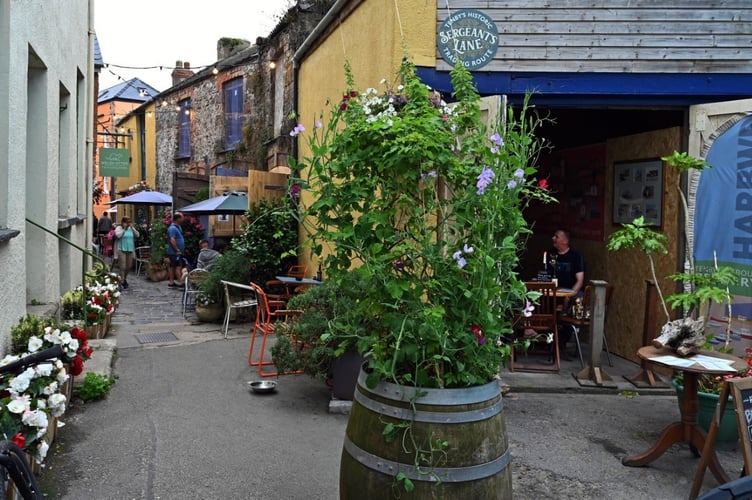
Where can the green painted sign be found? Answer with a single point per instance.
(114, 162)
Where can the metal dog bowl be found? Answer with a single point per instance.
(263, 386)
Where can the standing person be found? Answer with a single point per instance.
(125, 245)
(569, 270)
(175, 249)
(104, 225)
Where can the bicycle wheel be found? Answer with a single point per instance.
(13, 460)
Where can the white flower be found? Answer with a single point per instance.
(35, 343)
(43, 370)
(41, 404)
(65, 337)
(50, 389)
(42, 448)
(72, 345)
(10, 358)
(21, 382)
(62, 376)
(56, 400)
(36, 418)
(19, 404)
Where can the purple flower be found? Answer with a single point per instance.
(494, 149)
(318, 124)
(432, 173)
(461, 262)
(484, 179)
(496, 138)
(456, 255)
(512, 184)
(519, 173)
(298, 129)
(468, 249)
(398, 264)
(528, 311)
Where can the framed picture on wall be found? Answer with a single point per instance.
(638, 191)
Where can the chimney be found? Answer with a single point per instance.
(181, 72)
(229, 46)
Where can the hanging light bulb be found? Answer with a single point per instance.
(215, 70)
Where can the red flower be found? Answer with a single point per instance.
(77, 366)
(543, 183)
(478, 334)
(19, 440)
(79, 335)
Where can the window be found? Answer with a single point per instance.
(184, 129)
(233, 93)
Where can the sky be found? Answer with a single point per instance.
(153, 33)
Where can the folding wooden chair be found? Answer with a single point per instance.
(268, 313)
(543, 320)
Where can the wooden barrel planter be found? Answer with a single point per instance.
(475, 464)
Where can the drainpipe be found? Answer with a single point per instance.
(89, 162)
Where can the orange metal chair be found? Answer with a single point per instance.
(544, 319)
(268, 313)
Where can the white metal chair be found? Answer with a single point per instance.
(247, 298)
(142, 258)
(190, 289)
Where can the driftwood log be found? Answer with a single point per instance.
(686, 336)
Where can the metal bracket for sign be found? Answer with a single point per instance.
(740, 389)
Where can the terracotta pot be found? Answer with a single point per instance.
(210, 313)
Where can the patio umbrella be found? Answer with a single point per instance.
(144, 198)
(232, 203)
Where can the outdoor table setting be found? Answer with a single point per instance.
(290, 280)
(687, 429)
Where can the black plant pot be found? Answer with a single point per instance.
(345, 371)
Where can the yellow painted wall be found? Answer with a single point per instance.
(373, 38)
(134, 145)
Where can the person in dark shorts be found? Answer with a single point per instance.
(175, 249)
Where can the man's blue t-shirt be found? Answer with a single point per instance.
(174, 231)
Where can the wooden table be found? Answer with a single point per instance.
(686, 430)
(565, 292)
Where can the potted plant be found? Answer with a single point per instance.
(687, 333)
(426, 200)
(320, 341)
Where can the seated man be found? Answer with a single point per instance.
(569, 270)
(206, 256)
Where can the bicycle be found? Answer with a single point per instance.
(14, 465)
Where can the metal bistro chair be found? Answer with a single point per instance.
(542, 320)
(267, 314)
(190, 289)
(142, 258)
(246, 299)
(584, 322)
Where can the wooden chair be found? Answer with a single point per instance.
(542, 320)
(584, 322)
(268, 313)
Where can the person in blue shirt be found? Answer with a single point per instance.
(125, 244)
(175, 249)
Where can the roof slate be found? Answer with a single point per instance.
(134, 89)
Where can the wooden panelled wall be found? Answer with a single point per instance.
(639, 36)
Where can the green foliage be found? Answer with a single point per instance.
(638, 235)
(201, 195)
(269, 240)
(264, 249)
(327, 327)
(96, 386)
(29, 326)
(158, 239)
(427, 200)
(703, 289)
(683, 162)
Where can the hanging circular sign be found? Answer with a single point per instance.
(470, 37)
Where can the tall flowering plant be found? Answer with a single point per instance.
(425, 200)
